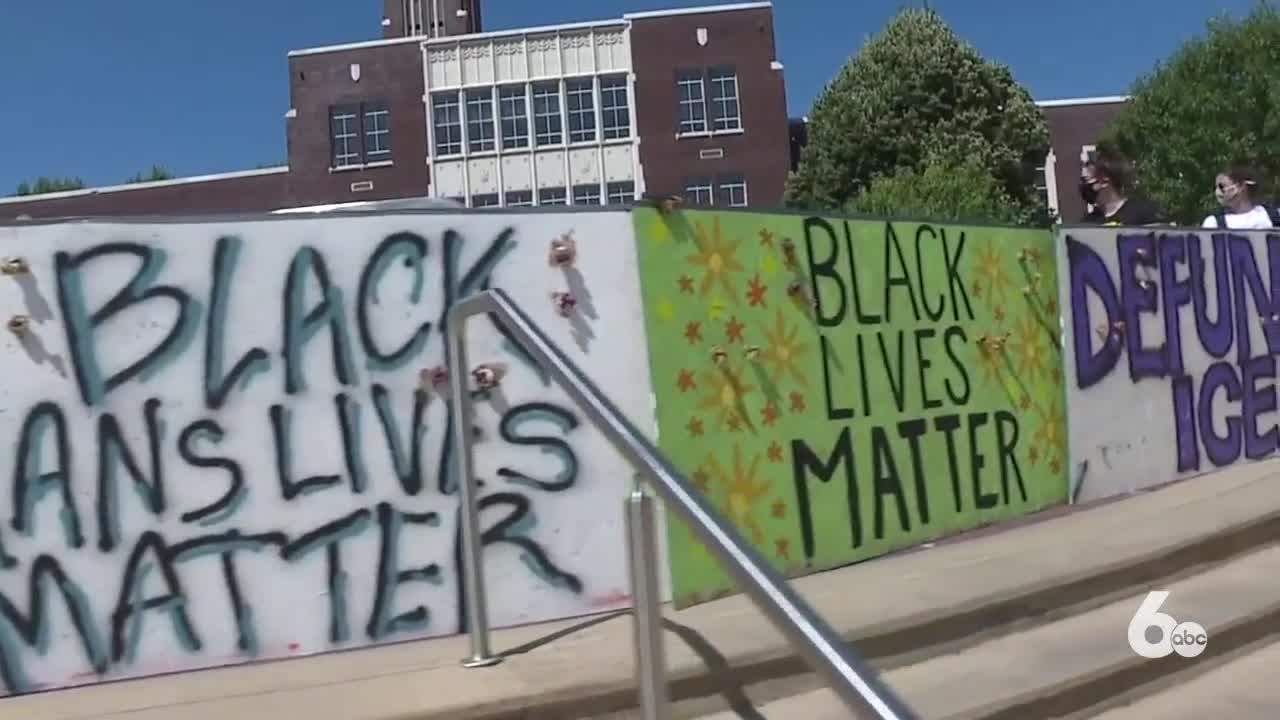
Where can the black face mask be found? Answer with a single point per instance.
(1088, 192)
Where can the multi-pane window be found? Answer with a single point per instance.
(359, 134)
(733, 191)
(579, 96)
(699, 191)
(484, 200)
(693, 102)
(547, 125)
(377, 132)
(519, 198)
(344, 128)
(586, 194)
(480, 120)
(620, 193)
(446, 119)
(552, 196)
(726, 111)
(615, 113)
(513, 112)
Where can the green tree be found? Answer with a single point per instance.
(1215, 102)
(917, 94)
(946, 190)
(44, 185)
(157, 173)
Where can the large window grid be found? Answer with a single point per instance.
(446, 118)
(547, 124)
(580, 107)
(513, 112)
(480, 130)
(571, 112)
(359, 134)
(707, 101)
(615, 110)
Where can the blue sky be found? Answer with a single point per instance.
(103, 90)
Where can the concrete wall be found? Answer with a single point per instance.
(219, 450)
(1173, 338)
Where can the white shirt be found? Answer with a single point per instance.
(1255, 219)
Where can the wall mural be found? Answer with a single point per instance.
(228, 439)
(1177, 332)
(843, 388)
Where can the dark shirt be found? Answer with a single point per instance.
(1134, 212)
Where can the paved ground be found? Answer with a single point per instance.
(423, 680)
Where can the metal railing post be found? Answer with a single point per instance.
(646, 600)
(857, 683)
(472, 561)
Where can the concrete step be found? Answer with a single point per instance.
(900, 611)
(1075, 664)
(1244, 688)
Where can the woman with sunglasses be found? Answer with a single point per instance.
(1237, 190)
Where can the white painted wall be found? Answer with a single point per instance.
(289, 604)
(1124, 426)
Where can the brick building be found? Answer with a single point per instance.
(1074, 128)
(687, 101)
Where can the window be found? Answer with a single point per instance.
(698, 191)
(693, 103)
(359, 134)
(513, 111)
(733, 191)
(377, 132)
(519, 198)
(621, 193)
(485, 200)
(344, 128)
(546, 114)
(446, 118)
(726, 112)
(586, 194)
(580, 102)
(551, 196)
(615, 114)
(480, 120)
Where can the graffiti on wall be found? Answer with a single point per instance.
(1174, 336)
(221, 448)
(842, 388)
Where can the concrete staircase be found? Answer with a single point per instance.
(1017, 623)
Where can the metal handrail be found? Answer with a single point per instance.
(857, 684)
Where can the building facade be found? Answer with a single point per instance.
(543, 116)
(688, 101)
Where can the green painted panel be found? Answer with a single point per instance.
(843, 388)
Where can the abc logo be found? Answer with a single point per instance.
(1153, 634)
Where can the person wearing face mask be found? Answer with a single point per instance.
(1104, 184)
(1237, 191)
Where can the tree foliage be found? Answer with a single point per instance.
(1215, 102)
(44, 185)
(946, 190)
(917, 95)
(157, 173)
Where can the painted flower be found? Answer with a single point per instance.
(784, 350)
(990, 270)
(725, 396)
(1030, 354)
(740, 490)
(718, 259)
